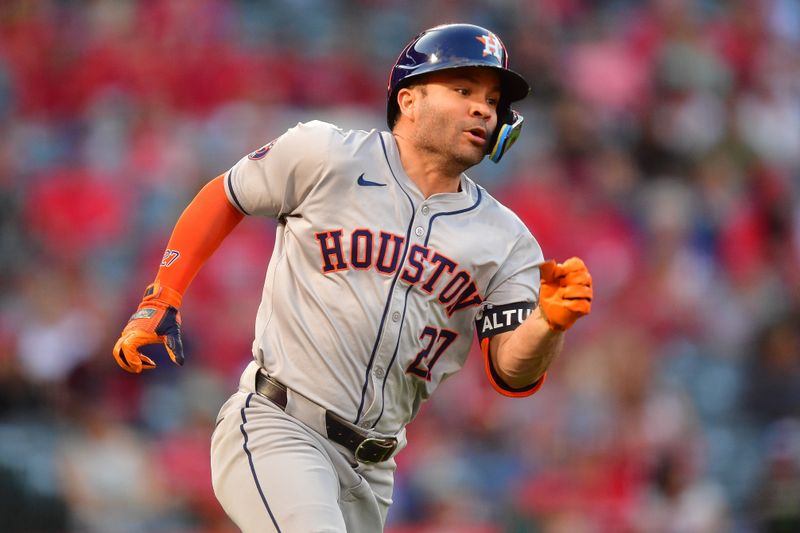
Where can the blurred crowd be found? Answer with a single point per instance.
(661, 144)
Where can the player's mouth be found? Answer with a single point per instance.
(477, 135)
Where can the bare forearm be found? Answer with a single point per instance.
(522, 356)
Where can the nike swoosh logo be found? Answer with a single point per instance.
(366, 183)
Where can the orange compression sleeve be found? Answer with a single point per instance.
(201, 228)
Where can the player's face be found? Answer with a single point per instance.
(458, 113)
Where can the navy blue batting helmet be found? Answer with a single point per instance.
(452, 46)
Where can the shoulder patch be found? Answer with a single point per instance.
(261, 152)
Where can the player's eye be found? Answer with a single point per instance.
(462, 91)
(492, 102)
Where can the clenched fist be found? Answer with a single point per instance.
(565, 293)
(156, 320)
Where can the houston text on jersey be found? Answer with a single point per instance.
(428, 270)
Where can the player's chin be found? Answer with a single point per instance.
(471, 156)
(465, 163)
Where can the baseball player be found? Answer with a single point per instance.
(387, 259)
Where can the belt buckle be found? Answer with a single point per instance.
(383, 449)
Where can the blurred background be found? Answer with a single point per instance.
(661, 144)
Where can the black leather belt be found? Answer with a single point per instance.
(366, 449)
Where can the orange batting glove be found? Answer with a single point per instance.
(156, 320)
(565, 293)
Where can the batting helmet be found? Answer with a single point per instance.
(451, 46)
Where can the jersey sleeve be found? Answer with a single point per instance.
(275, 179)
(511, 298)
(517, 279)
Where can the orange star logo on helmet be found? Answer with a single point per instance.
(491, 46)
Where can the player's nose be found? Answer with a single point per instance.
(481, 109)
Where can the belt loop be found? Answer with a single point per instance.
(310, 413)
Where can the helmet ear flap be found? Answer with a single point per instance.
(509, 126)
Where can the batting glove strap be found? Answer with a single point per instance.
(566, 292)
(159, 292)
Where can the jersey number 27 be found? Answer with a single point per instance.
(422, 365)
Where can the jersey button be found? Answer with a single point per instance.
(419, 231)
(426, 210)
(379, 372)
(396, 316)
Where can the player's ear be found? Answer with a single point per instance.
(406, 98)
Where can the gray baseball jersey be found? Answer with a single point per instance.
(374, 292)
